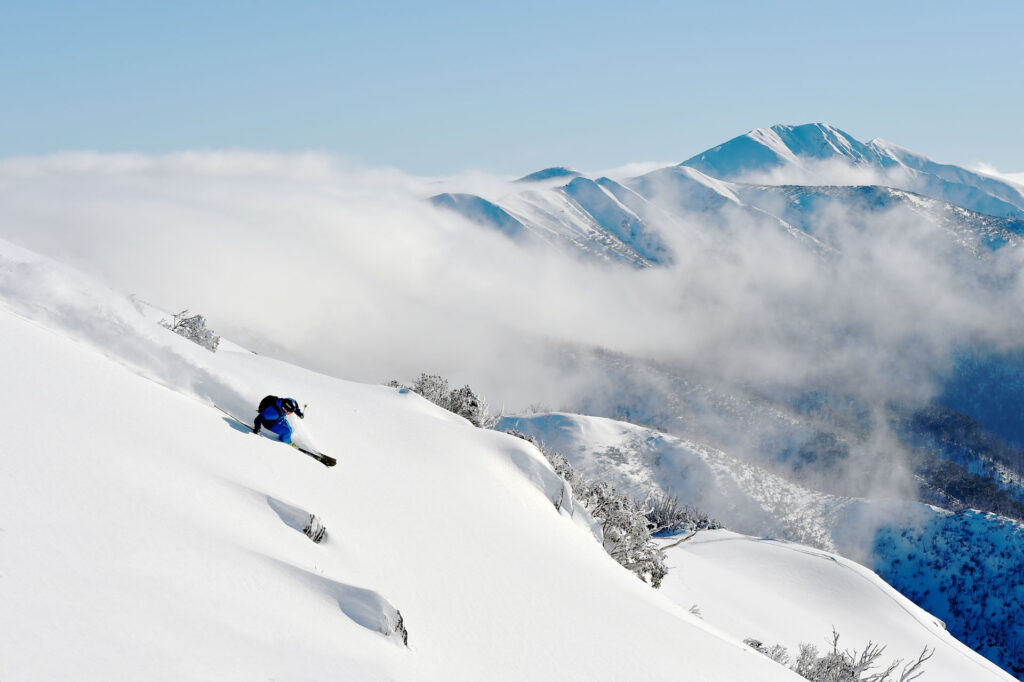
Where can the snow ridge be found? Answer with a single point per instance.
(640, 220)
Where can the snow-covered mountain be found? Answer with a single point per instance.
(765, 149)
(783, 177)
(837, 200)
(557, 173)
(801, 151)
(802, 206)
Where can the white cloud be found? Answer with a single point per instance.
(348, 270)
(989, 169)
(631, 170)
(812, 171)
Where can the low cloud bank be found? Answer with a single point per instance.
(350, 271)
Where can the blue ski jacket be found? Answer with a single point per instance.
(273, 419)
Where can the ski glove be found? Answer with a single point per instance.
(298, 413)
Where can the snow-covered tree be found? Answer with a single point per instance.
(666, 516)
(193, 328)
(627, 537)
(464, 401)
(434, 388)
(625, 529)
(777, 652)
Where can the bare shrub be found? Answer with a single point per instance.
(193, 328)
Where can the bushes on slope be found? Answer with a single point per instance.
(625, 528)
(464, 401)
(845, 665)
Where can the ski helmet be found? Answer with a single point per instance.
(289, 405)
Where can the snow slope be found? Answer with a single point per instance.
(789, 594)
(967, 568)
(145, 536)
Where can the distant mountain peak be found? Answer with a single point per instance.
(481, 212)
(556, 172)
(755, 156)
(763, 149)
(820, 140)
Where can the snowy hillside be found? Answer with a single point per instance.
(966, 568)
(145, 536)
(739, 584)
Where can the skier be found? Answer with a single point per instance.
(272, 414)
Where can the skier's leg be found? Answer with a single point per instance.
(283, 429)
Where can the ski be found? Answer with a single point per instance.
(326, 460)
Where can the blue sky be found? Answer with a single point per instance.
(437, 88)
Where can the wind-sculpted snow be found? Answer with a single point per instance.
(366, 608)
